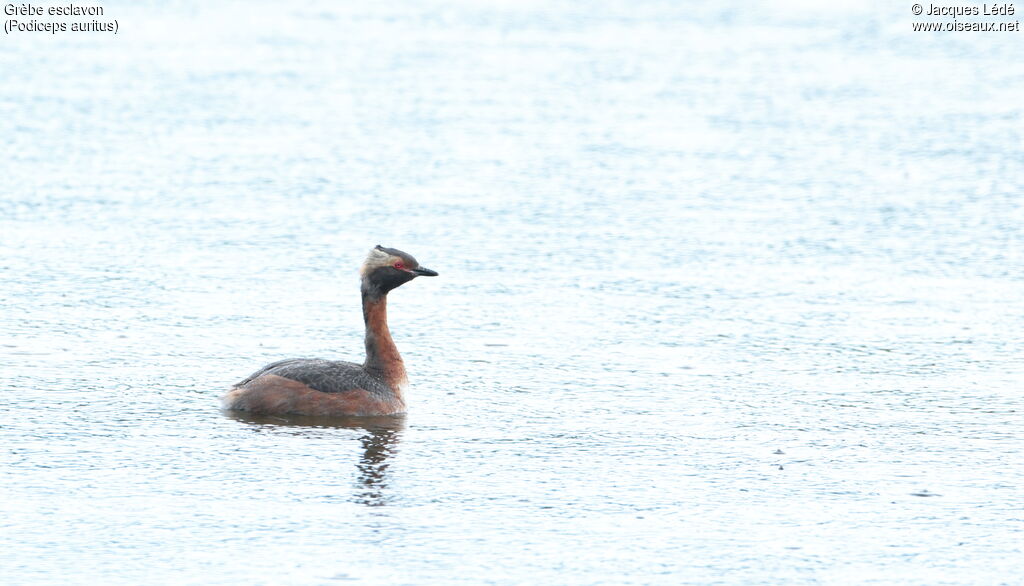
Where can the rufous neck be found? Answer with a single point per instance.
(381, 353)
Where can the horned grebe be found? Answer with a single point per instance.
(303, 386)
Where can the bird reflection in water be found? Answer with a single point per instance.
(379, 443)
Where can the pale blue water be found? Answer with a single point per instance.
(727, 294)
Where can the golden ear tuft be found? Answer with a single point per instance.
(375, 259)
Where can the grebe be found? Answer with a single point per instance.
(302, 386)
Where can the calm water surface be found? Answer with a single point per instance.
(727, 295)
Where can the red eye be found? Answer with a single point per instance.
(399, 266)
